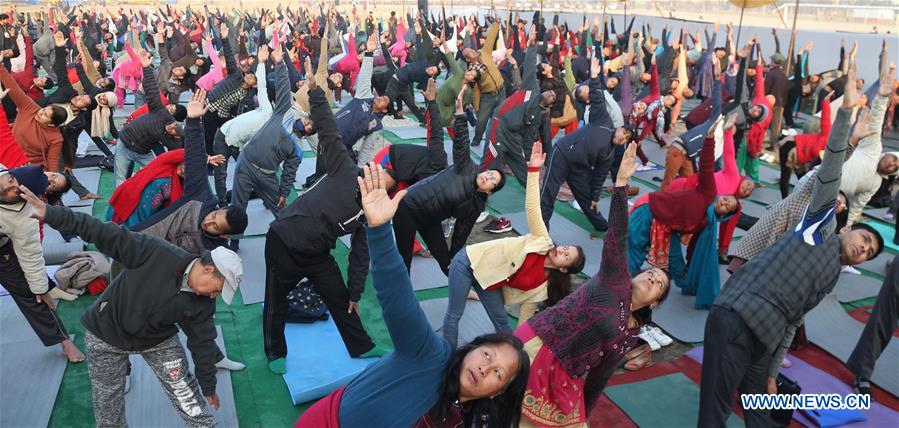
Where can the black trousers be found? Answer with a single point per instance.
(405, 225)
(785, 170)
(879, 328)
(220, 172)
(284, 268)
(558, 172)
(211, 124)
(733, 360)
(42, 319)
(398, 92)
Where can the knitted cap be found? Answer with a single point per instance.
(32, 177)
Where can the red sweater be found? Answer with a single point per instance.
(756, 135)
(809, 146)
(529, 276)
(25, 78)
(685, 210)
(42, 144)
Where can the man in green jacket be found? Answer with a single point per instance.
(162, 288)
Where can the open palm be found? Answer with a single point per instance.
(379, 208)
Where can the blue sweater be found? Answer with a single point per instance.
(401, 387)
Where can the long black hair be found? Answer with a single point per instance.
(504, 409)
(560, 282)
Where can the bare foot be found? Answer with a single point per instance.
(473, 296)
(90, 195)
(786, 363)
(71, 352)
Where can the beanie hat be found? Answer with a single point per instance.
(48, 83)
(180, 113)
(32, 177)
(778, 58)
(111, 98)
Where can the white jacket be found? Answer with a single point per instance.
(860, 178)
(24, 232)
(241, 129)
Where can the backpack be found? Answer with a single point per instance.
(305, 305)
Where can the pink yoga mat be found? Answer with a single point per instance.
(815, 381)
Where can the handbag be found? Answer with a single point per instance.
(305, 305)
(785, 385)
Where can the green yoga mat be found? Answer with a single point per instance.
(887, 231)
(508, 200)
(665, 401)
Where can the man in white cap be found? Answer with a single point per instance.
(162, 288)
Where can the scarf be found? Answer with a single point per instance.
(100, 116)
(127, 196)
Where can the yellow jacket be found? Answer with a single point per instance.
(493, 82)
(495, 261)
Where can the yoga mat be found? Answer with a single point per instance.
(678, 316)
(474, 322)
(90, 179)
(852, 287)
(85, 146)
(564, 232)
(765, 196)
(252, 286)
(408, 132)
(258, 218)
(654, 152)
(653, 176)
(425, 273)
(229, 179)
(507, 200)
(815, 381)
(307, 168)
(878, 265)
(887, 231)
(879, 214)
(146, 404)
(56, 249)
(770, 175)
(316, 371)
(678, 409)
(753, 209)
(26, 400)
(831, 328)
(389, 123)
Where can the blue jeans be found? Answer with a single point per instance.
(461, 279)
(124, 158)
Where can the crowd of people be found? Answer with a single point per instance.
(560, 108)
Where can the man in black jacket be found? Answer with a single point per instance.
(584, 157)
(299, 243)
(399, 88)
(139, 137)
(459, 191)
(516, 124)
(162, 288)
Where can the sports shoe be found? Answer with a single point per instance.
(852, 270)
(647, 337)
(861, 386)
(789, 132)
(889, 216)
(481, 217)
(227, 364)
(498, 225)
(662, 338)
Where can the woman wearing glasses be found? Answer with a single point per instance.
(458, 191)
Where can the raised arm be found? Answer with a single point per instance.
(827, 181)
(22, 101)
(529, 76)
(363, 80)
(532, 192)
(154, 99)
(707, 184)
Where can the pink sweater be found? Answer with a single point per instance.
(216, 74)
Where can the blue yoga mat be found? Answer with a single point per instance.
(317, 361)
(887, 231)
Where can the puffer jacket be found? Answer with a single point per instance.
(451, 193)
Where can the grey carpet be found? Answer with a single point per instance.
(654, 152)
(564, 232)
(753, 209)
(834, 330)
(653, 176)
(146, 404)
(765, 196)
(56, 249)
(26, 400)
(252, 286)
(878, 213)
(474, 322)
(258, 218)
(678, 316)
(307, 168)
(90, 179)
(408, 132)
(229, 180)
(425, 274)
(852, 287)
(771, 174)
(878, 265)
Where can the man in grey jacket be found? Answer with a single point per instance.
(752, 323)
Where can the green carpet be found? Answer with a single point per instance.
(678, 409)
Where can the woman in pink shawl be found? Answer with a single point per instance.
(127, 74)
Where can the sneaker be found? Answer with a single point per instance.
(789, 132)
(227, 364)
(481, 217)
(647, 337)
(662, 338)
(889, 216)
(861, 386)
(498, 225)
(107, 163)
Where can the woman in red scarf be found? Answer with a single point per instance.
(153, 188)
